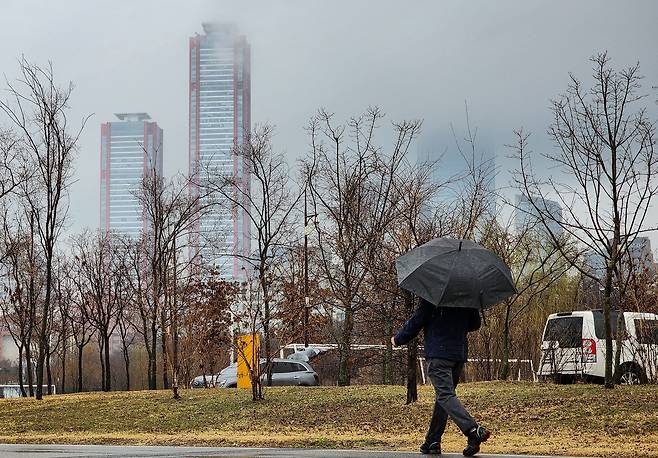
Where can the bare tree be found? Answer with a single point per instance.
(98, 269)
(606, 154)
(351, 187)
(207, 320)
(423, 212)
(474, 197)
(11, 172)
(536, 264)
(127, 338)
(38, 109)
(81, 330)
(171, 215)
(262, 193)
(22, 290)
(142, 318)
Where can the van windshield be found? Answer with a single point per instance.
(567, 331)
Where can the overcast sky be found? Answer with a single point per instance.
(415, 59)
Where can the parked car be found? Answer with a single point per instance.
(213, 380)
(574, 345)
(285, 372)
(198, 382)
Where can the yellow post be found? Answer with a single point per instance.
(248, 357)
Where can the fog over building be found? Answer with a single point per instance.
(131, 149)
(639, 257)
(528, 214)
(219, 120)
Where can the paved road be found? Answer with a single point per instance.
(78, 451)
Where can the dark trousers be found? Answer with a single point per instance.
(444, 375)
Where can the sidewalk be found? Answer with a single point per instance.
(78, 451)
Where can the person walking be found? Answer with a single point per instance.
(446, 350)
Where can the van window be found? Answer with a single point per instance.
(647, 331)
(599, 324)
(566, 330)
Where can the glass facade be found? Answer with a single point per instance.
(219, 118)
(130, 149)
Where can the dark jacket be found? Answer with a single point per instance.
(446, 330)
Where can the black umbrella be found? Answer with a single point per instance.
(455, 273)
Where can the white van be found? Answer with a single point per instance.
(574, 345)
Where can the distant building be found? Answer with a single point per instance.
(220, 119)
(131, 148)
(594, 264)
(641, 255)
(527, 217)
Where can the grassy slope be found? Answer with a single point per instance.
(525, 418)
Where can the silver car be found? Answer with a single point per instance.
(285, 372)
(212, 380)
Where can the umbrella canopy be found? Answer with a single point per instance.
(455, 273)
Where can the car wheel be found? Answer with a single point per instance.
(631, 375)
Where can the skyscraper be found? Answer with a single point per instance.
(220, 112)
(130, 149)
(528, 218)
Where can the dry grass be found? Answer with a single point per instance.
(525, 418)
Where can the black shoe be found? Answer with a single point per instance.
(475, 437)
(431, 449)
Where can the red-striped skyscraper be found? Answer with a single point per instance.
(131, 148)
(219, 120)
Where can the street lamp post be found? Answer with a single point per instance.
(306, 298)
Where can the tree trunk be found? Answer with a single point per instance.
(387, 367)
(412, 371)
(28, 364)
(344, 366)
(80, 349)
(43, 331)
(108, 372)
(102, 360)
(63, 385)
(153, 364)
(49, 374)
(20, 372)
(412, 355)
(268, 350)
(41, 359)
(504, 366)
(163, 343)
(126, 360)
(262, 273)
(175, 356)
(609, 382)
(619, 325)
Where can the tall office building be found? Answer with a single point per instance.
(527, 216)
(220, 109)
(131, 148)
